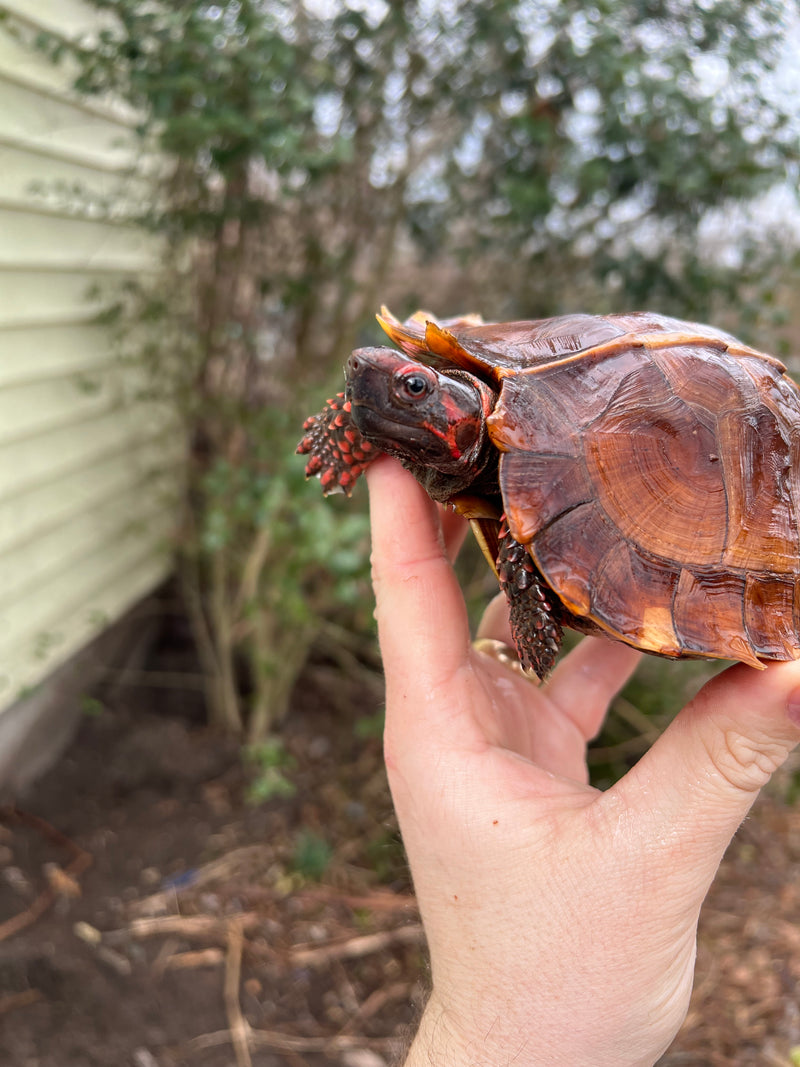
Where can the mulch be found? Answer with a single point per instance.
(151, 916)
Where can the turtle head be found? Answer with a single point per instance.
(433, 421)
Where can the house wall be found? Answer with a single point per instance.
(85, 514)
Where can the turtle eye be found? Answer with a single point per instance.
(415, 386)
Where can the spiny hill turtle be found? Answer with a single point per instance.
(628, 474)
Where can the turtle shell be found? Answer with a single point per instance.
(652, 469)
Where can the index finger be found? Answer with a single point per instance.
(422, 620)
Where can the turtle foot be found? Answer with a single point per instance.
(338, 453)
(535, 629)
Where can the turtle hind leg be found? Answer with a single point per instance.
(535, 629)
(337, 451)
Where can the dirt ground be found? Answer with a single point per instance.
(167, 915)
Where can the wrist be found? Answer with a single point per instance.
(441, 1042)
(436, 1042)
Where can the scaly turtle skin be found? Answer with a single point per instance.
(628, 474)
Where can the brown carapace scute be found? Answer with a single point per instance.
(649, 469)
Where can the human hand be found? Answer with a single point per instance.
(561, 921)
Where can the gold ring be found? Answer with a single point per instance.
(503, 654)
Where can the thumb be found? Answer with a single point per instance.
(709, 765)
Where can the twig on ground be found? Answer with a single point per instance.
(215, 870)
(81, 861)
(280, 1042)
(192, 927)
(374, 1002)
(12, 1001)
(181, 961)
(294, 1059)
(237, 1024)
(168, 949)
(113, 959)
(355, 947)
(380, 900)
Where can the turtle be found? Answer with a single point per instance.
(632, 475)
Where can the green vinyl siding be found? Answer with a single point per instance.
(86, 475)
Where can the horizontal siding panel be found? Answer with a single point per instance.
(49, 240)
(74, 591)
(64, 183)
(88, 479)
(136, 466)
(32, 565)
(50, 296)
(29, 65)
(35, 407)
(65, 449)
(55, 122)
(118, 581)
(20, 60)
(32, 353)
(68, 18)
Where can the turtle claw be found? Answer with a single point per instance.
(535, 629)
(337, 452)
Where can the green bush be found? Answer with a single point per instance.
(546, 157)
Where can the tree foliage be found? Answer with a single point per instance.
(521, 157)
(527, 134)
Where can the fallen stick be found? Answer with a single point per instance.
(374, 1002)
(237, 1024)
(355, 947)
(192, 927)
(380, 900)
(280, 1042)
(81, 861)
(215, 870)
(11, 1001)
(182, 961)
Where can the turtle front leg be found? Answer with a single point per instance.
(338, 453)
(535, 629)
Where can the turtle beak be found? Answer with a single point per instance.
(374, 407)
(369, 372)
(369, 362)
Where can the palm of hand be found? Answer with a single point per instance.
(561, 921)
(548, 725)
